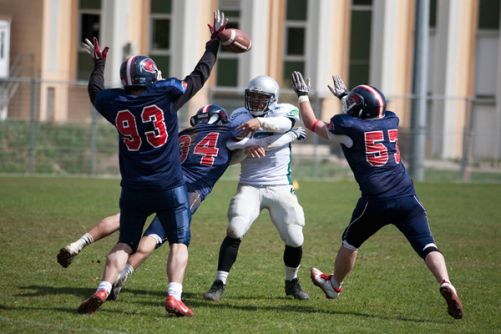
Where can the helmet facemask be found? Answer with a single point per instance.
(354, 104)
(258, 102)
(261, 93)
(365, 101)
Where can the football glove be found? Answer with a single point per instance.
(300, 86)
(299, 132)
(94, 50)
(218, 25)
(339, 90)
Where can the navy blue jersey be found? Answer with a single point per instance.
(204, 155)
(147, 126)
(374, 157)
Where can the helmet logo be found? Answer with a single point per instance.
(149, 66)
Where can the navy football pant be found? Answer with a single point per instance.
(171, 206)
(156, 229)
(406, 213)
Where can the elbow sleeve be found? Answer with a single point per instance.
(276, 124)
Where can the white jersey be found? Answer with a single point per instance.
(275, 168)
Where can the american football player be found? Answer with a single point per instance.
(264, 183)
(368, 134)
(207, 149)
(144, 112)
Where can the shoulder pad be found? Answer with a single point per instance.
(339, 123)
(285, 109)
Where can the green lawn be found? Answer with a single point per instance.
(390, 290)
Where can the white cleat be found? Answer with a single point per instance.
(323, 281)
(454, 305)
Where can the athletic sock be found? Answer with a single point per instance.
(84, 240)
(128, 270)
(222, 276)
(175, 289)
(125, 274)
(291, 273)
(104, 285)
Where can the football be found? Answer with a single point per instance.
(235, 40)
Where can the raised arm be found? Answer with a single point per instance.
(96, 80)
(311, 122)
(196, 79)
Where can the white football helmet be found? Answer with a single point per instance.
(261, 93)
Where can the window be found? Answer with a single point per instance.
(295, 38)
(487, 66)
(433, 14)
(360, 42)
(488, 14)
(90, 26)
(227, 68)
(160, 22)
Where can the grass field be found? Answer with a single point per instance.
(390, 290)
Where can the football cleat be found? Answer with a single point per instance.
(66, 255)
(115, 291)
(117, 287)
(454, 306)
(177, 307)
(293, 288)
(91, 304)
(216, 291)
(323, 281)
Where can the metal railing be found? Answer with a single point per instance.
(42, 134)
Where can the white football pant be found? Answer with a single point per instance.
(285, 211)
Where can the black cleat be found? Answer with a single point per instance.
(293, 288)
(216, 291)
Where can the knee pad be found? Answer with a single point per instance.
(235, 229)
(294, 236)
(348, 246)
(427, 249)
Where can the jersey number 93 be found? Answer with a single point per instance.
(126, 125)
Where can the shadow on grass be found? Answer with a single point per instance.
(195, 300)
(40, 290)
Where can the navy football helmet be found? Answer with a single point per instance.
(209, 114)
(138, 71)
(365, 101)
(261, 93)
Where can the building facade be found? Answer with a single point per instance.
(365, 41)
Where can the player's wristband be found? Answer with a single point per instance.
(303, 98)
(314, 125)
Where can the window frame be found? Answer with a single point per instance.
(227, 55)
(87, 11)
(160, 16)
(287, 58)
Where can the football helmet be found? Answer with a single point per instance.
(365, 101)
(139, 71)
(209, 114)
(261, 93)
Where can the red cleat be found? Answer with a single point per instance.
(454, 306)
(91, 304)
(177, 307)
(323, 281)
